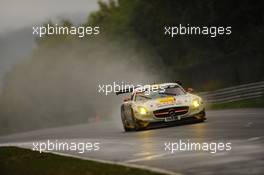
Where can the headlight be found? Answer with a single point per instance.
(196, 103)
(142, 110)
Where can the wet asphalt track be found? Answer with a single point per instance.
(244, 128)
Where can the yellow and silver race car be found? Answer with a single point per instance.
(160, 104)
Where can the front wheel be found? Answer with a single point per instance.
(124, 120)
(135, 123)
(202, 116)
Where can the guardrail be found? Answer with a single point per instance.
(235, 93)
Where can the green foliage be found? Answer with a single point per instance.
(144, 21)
(251, 103)
(18, 161)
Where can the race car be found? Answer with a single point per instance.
(159, 103)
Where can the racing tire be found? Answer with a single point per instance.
(203, 116)
(135, 124)
(123, 118)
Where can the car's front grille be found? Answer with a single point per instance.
(162, 113)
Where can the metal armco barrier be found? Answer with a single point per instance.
(235, 93)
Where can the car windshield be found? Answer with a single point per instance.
(172, 91)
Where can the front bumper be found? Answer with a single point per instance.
(150, 118)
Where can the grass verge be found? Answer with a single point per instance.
(253, 103)
(18, 161)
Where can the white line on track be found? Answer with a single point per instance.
(147, 158)
(253, 138)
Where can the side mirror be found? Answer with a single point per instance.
(126, 99)
(190, 90)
